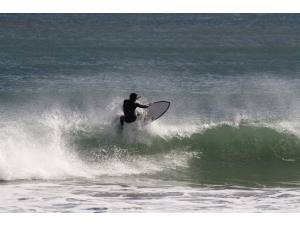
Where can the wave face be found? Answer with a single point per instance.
(246, 143)
(232, 80)
(217, 142)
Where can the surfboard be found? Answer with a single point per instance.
(156, 110)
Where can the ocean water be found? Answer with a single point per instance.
(229, 143)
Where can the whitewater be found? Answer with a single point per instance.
(230, 141)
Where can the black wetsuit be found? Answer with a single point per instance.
(129, 111)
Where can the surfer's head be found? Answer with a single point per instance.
(133, 97)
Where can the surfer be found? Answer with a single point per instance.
(129, 106)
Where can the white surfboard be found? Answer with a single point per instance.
(156, 110)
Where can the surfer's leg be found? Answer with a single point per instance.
(122, 118)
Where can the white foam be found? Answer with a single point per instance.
(131, 165)
(285, 126)
(179, 130)
(36, 149)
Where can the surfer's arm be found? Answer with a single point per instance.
(141, 106)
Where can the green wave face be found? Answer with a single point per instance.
(246, 143)
(243, 154)
(246, 155)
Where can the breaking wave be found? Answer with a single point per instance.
(61, 144)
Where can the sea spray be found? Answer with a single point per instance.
(36, 149)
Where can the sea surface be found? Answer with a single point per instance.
(229, 143)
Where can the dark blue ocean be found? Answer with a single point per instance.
(229, 143)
